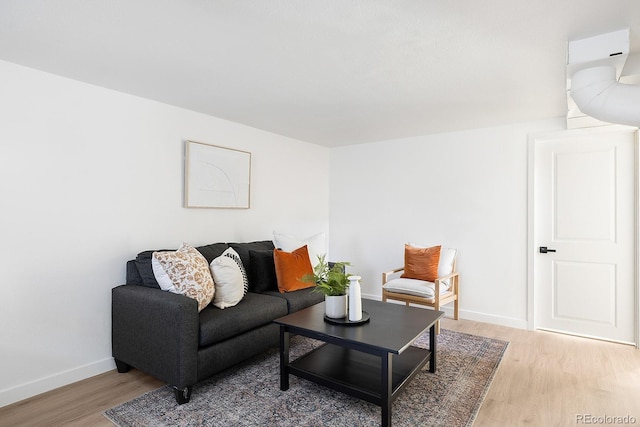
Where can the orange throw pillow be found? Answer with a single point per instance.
(291, 267)
(421, 263)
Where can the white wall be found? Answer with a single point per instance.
(466, 190)
(88, 178)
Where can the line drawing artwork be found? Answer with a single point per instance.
(217, 177)
(213, 178)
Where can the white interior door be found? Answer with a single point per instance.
(584, 214)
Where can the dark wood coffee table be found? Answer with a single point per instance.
(373, 361)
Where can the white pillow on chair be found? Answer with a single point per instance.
(445, 266)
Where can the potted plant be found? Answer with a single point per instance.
(332, 281)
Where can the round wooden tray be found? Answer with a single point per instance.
(346, 322)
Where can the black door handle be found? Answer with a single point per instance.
(544, 250)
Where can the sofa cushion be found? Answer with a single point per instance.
(263, 271)
(133, 275)
(145, 269)
(144, 274)
(253, 311)
(212, 251)
(243, 251)
(243, 248)
(299, 299)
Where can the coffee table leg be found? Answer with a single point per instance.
(432, 348)
(386, 392)
(284, 359)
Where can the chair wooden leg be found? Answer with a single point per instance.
(438, 327)
(455, 309)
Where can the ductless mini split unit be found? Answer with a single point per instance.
(602, 81)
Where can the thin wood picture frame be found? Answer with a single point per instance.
(216, 177)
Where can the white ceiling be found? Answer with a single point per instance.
(330, 72)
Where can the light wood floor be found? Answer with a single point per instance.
(545, 379)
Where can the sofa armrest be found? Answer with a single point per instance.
(157, 332)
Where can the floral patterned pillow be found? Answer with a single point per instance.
(185, 272)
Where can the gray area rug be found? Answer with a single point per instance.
(249, 394)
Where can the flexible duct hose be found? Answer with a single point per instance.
(598, 94)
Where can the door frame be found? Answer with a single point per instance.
(531, 250)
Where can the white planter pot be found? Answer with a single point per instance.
(335, 307)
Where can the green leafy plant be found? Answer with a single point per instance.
(329, 280)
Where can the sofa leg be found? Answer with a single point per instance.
(182, 395)
(121, 366)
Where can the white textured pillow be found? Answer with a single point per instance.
(184, 272)
(231, 253)
(445, 266)
(420, 288)
(229, 278)
(316, 244)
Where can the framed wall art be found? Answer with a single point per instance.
(216, 177)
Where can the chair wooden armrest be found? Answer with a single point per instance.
(453, 284)
(448, 276)
(386, 274)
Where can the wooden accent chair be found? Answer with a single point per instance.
(444, 290)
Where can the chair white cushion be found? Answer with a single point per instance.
(415, 287)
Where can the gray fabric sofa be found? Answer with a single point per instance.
(162, 333)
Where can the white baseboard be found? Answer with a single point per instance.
(42, 385)
(471, 315)
(489, 318)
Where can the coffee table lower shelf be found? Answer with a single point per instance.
(356, 373)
